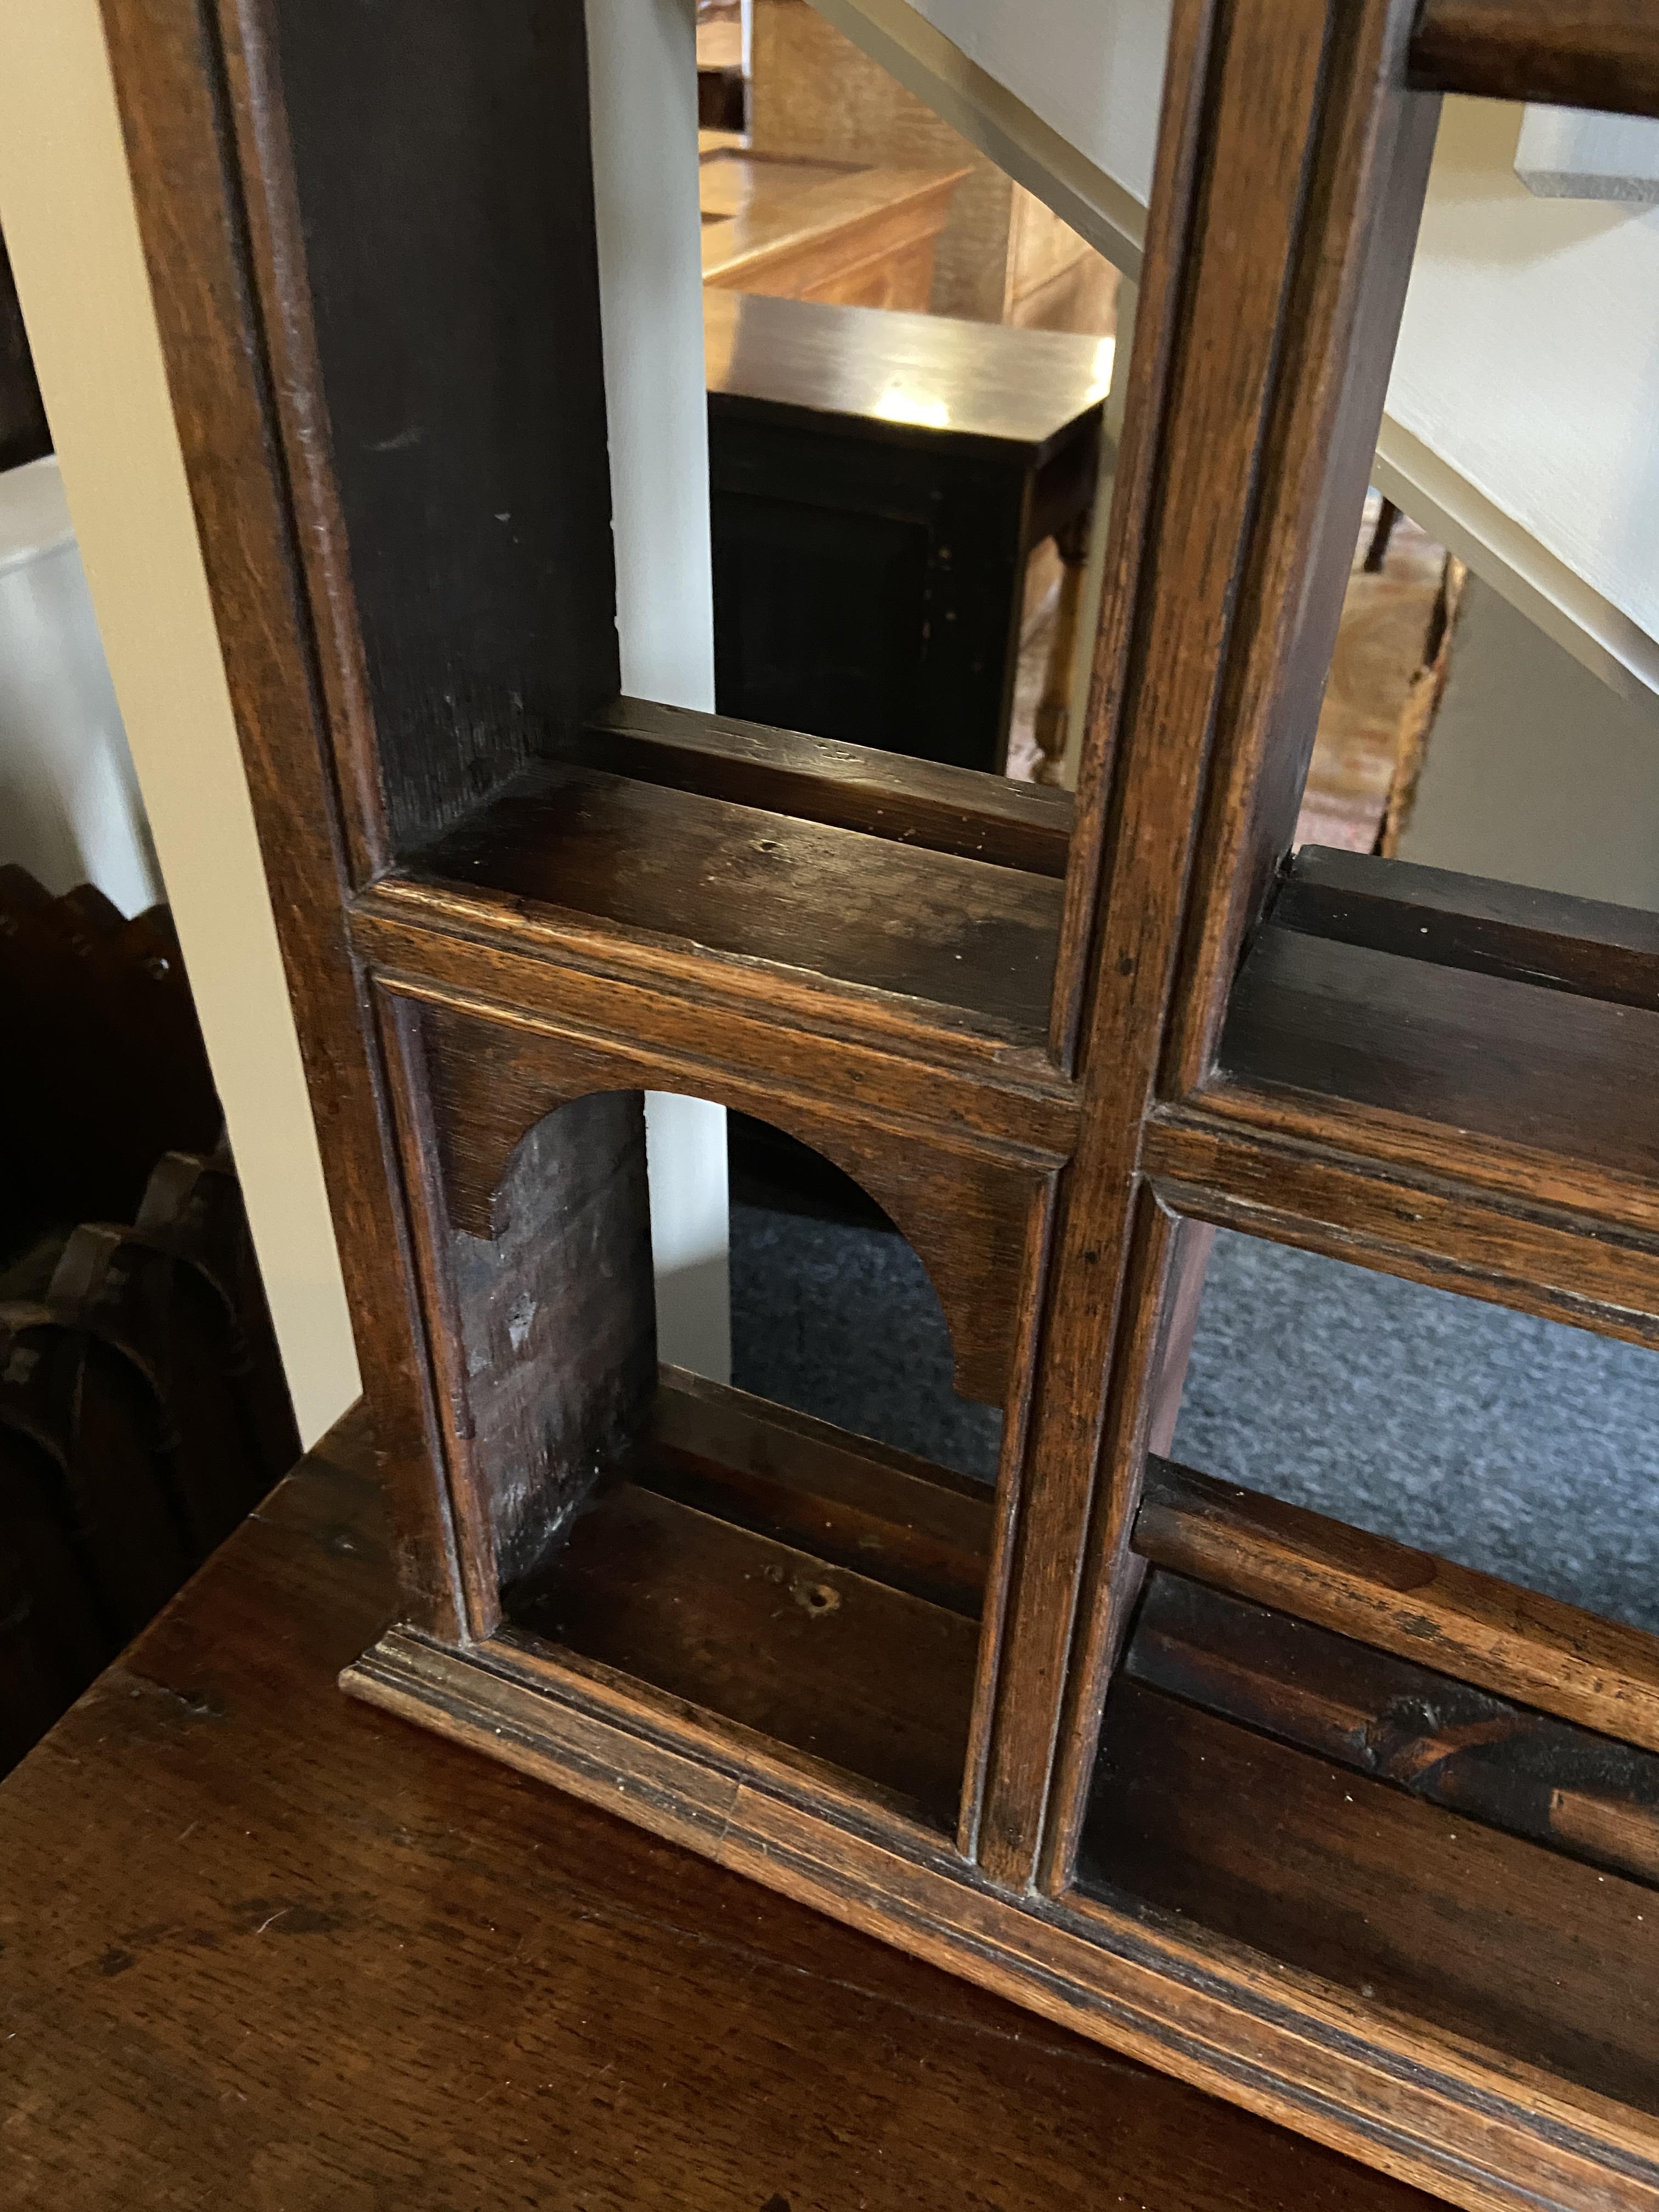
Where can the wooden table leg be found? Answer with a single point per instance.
(1054, 707)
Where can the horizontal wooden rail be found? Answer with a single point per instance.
(1462, 1748)
(1533, 1649)
(929, 804)
(1584, 946)
(1572, 53)
(739, 887)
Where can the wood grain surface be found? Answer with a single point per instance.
(1423, 1911)
(745, 883)
(1569, 53)
(1012, 1046)
(267, 1947)
(1599, 1673)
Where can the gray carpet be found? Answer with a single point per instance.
(841, 1320)
(1515, 1445)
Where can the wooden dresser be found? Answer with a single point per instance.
(822, 230)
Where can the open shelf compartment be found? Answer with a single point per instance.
(732, 844)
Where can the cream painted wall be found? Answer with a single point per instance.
(1094, 73)
(1523, 422)
(1528, 359)
(66, 207)
(1537, 774)
(643, 79)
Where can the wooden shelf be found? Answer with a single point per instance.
(1600, 1673)
(1416, 1910)
(1433, 1735)
(812, 1587)
(880, 897)
(1393, 992)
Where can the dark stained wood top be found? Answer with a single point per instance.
(267, 1947)
(877, 365)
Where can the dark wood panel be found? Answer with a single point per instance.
(197, 119)
(1418, 1911)
(546, 1342)
(1459, 1622)
(752, 885)
(24, 434)
(1581, 945)
(1432, 1735)
(913, 802)
(1479, 1055)
(811, 1655)
(444, 189)
(1571, 53)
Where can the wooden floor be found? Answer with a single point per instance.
(261, 1946)
(1379, 648)
(1385, 622)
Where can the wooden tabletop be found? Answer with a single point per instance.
(263, 1948)
(975, 380)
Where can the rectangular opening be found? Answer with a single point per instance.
(1387, 1706)
(793, 1566)
(1461, 949)
(901, 399)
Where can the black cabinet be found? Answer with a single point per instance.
(877, 482)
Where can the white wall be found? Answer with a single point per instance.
(1528, 359)
(1536, 772)
(1093, 70)
(66, 207)
(642, 65)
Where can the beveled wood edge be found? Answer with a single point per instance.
(1379, 1139)
(1589, 948)
(1016, 1411)
(680, 1728)
(276, 274)
(861, 785)
(681, 1387)
(1473, 1627)
(638, 1065)
(1413, 2102)
(762, 241)
(996, 1112)
(829, 1004)
(1471, 1238)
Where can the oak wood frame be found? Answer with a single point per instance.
(1104, 1106)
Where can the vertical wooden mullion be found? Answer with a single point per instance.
(173, 95)
(1157, 319)
(1364, 201)
(277, 270)
(1340, 340)
(1265, 234)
